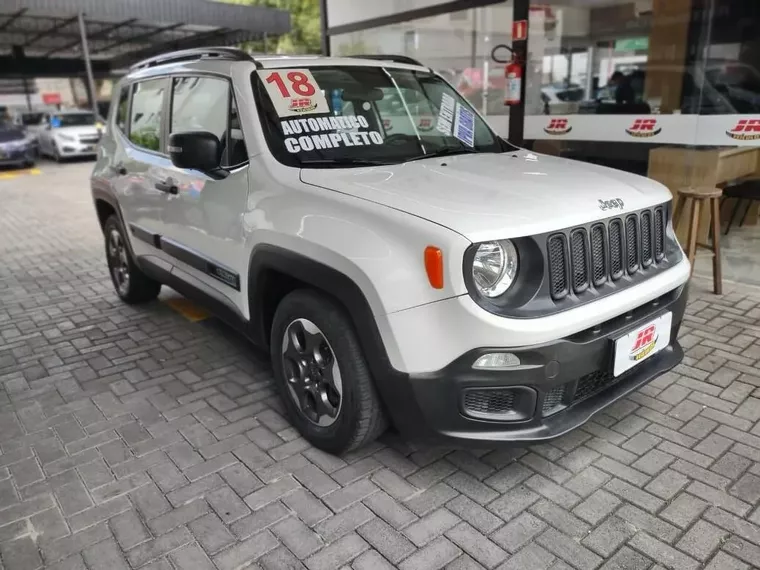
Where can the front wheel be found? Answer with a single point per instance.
(131, 284)
(322, 375)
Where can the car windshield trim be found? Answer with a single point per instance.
(358, 115)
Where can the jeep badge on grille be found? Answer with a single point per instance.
(614, 204)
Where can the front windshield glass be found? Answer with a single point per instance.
(72, 120)
(28, 119)
(358, 115)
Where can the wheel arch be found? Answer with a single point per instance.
(275, 271)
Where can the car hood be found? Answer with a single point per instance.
(11, 134)
(489, 196)
(76, 131)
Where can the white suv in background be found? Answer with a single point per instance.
(433, 276)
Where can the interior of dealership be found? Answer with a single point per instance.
(665, 88)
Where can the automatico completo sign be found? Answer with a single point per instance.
(698, 130)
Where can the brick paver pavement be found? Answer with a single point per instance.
(131, 437)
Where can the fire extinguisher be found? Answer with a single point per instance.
(513, 74)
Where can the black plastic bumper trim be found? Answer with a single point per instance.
(437, 396)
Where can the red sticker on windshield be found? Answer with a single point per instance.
(293, 92)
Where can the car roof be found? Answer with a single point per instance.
(275, 61)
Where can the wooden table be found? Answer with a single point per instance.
(681, 167)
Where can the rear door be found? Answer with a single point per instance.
(139, 164)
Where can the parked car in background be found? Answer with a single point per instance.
(33, 122)
(69, 134)
(16, 148)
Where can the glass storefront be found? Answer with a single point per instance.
(456, 44)
(665, 88)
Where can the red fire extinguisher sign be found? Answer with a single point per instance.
(519, 30)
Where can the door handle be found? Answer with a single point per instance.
(167, 186)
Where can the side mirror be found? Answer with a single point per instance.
(196, 150)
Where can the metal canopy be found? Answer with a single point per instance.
(43, 37)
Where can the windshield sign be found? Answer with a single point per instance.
(361, 115)
(72, 120)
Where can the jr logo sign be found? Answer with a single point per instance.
(646, 340)
(745, 130)
(644, 128)
(558, 127)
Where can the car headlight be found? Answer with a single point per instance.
(64, 137)
(494, 267)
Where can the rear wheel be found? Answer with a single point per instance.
(322, 375)
(131, 284)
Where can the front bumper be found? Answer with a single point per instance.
(565, 383)
(14, 157)
(76, 148)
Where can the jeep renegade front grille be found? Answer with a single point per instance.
(607, 251)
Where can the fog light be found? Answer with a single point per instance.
(497, 361)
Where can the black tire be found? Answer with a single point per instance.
(360, 418)
(138, 287)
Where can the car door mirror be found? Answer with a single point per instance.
(196, 150)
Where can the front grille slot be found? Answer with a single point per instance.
(579, 260)
(616, 249)
(587, 257)
(598, 255)
(646, 239)
(632, 244)
(489, 402)
(659, 234)
(557, 266)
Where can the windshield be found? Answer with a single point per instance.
(359, 115)
(31, 118)
(72, 120)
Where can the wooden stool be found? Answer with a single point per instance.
(697, 196)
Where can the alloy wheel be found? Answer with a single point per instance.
(118, 262)
(311, 372)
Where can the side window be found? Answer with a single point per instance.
(234, 152)
(145, 120)
(122, 109)
(205, 104)
(200, 104)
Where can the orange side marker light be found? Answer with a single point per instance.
(434, 266)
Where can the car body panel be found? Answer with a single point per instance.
(496, 196)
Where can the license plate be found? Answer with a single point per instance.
(642, 343)
(88, 149)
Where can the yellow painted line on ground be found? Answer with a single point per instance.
(11, 174)
(187, 309)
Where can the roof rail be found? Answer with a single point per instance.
(393, 58)
(228, 53)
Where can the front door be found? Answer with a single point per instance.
(203, 221)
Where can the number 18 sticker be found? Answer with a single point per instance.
(294, 92)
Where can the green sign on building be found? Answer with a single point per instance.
(632, 44)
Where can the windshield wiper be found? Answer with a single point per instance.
(445, 151)
(343, 162)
